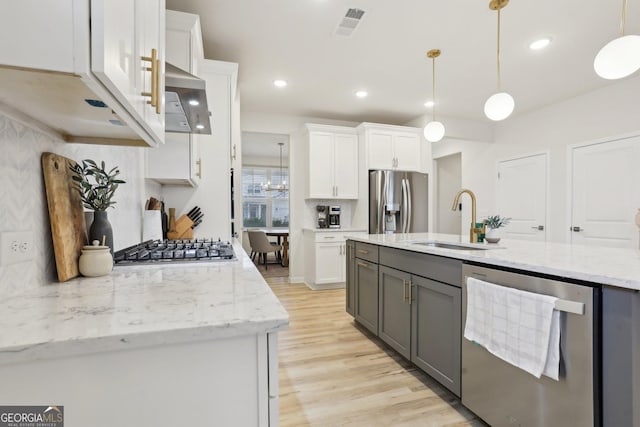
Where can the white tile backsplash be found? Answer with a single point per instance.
(23, 204)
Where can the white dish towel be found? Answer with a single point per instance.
(519, 327)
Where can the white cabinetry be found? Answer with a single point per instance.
(87, 50)
(333, 162)
(391, 147)
(230, 382)
(325, 257)
(178, 161)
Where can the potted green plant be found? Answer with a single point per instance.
(97, 188)
(493, 223)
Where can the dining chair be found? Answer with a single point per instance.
(261, 245)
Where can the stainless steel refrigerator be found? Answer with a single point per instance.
(398, 202)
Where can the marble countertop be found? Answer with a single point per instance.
(139, 306)
(608, 266)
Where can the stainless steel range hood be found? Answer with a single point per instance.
(186, 109)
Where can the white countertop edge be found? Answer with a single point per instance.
(585, 276)
(335, 230)
(114, 343)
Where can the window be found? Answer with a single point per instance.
(261, 208)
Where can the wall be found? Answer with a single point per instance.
(24, 205)
(598, 115)
(298, 209)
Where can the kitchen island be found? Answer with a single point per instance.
(410, 290)
(161, 345)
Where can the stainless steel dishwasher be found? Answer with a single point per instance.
(504, 395)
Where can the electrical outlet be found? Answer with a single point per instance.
(16, 246)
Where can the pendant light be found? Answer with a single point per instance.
(500, 105)
(621, 56)
(434, 130)
(278, 187)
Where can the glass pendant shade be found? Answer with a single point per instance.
(434, 131)
(619, 58)
(499, 106)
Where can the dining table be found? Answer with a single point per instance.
(282, 235)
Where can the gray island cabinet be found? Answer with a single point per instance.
(408, 290)
(412, 302)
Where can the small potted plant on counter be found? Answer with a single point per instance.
(493, 223)
(97, 187)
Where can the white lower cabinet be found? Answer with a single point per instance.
(325, 257)
(214, 382)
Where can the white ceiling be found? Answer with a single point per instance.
(265, 146)
(294, 40)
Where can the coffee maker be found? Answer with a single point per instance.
(334, 216)
(323, 216)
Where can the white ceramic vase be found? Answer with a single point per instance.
(492, 235)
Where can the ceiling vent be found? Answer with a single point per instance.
(350, 22)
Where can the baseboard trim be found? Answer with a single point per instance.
(296, 279)
(325, 286)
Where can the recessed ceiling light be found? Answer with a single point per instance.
(199, 126)
(429, 104)
(540, 43)
(194, 102)
(279, 83)
(362, 94)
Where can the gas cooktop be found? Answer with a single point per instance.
(173, 251)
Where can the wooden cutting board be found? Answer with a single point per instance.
(66, 214)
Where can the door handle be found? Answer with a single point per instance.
(538, 227)
(576, 229)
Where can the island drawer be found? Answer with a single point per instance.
(446, 270)
(367, 251)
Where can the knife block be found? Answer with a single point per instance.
(182, 228)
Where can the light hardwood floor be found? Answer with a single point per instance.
(334, 373)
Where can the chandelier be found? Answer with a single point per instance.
(283, 185)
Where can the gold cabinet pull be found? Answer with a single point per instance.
(362, 251)
(155, 79)
(362, 264)
(157, 87)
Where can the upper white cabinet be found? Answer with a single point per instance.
(91, 70)
(333, 162)
(391, 147)
(178, 161)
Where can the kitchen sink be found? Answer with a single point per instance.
(455, 246)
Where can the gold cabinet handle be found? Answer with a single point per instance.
(362, 264)
(362, 251)
(234, 152)
(155, 79)
(157, 88)
(199, 173)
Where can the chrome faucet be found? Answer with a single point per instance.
(473, 231)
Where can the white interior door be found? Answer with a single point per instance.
(605, 194)
(522, 195)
